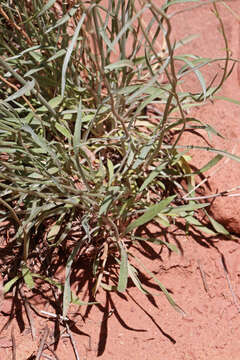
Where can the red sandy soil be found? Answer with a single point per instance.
(204, 280)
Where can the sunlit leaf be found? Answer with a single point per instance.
(211, 163)
(10, 283)
(119, 64)
(193, 221)
(56, 101)
(150, 213)
(27, 276)
(219, 228)
(184, 208)
(63, 130)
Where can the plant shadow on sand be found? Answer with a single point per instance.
(83, 283)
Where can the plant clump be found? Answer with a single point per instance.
(92, 110)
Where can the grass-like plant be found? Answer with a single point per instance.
(84, 164)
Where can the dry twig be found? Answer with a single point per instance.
(29, 315)
(235, 300)
(203, 277)
(17, 27)
(72, 341)
(48, 347)
(13, 344)
(42, 343)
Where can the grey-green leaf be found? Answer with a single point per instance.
(10, 283)
(119, 64)
(27, 277)
(219, 228)
(47, 6)
(67, 286)
(69, 52)
(183, 208)
(123, 275)
(23, 91)
(150, 213)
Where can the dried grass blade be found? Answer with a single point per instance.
(42, 343)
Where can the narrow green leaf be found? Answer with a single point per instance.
(49, 280)
(119, 64)
(47, 6)
(53, 103)
(197, 73)
(128, 90)
(194, 222)
(173, 2)
(162, 220)
(211, 163)
(147, 101)
(64, 131)
(207, 148)
(143, 153)
(128, 25)
(150, 213)
(51, 235)
(40, 141)
(64, 19)
(75, 300)
(58, 54)
(133, 275)
(219, 228)
(183, 208)
(36, 47)
(234, 101)
(34, 71)
(123, 275)
(172, 247)
(23, 91)
(9, 284)
(186, 40)
(152, 176)
(110, 171)
(27, 277)
(7, 150)
(210, 130)
(77, 130)
(67, 296)
(69, 53)
(107, 40)
(105, 204)
(147, 88)
(108, 287)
